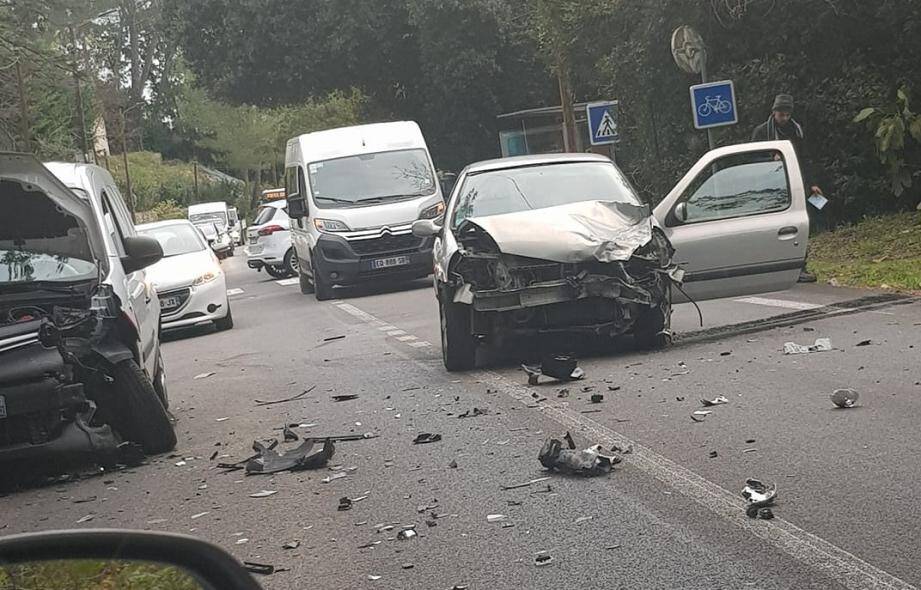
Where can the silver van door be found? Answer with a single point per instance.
(738, 221)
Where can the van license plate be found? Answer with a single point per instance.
(2, 407)
(388, 262)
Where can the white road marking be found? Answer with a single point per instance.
(798, 305)
(844, 567)
(387, 328)
(232, 292)
(396, 333)
(288, 282)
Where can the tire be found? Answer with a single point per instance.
(304, 280)
(138, 415)
(651, 329)
(226, 322)
(458, 345)
(231, 251)
(159, 382)
(276, 272)
(291, 262)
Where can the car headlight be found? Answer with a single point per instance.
(330, 225)
(433, 212)
(206, 277)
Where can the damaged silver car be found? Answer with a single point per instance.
(562, 243)
(81, 375)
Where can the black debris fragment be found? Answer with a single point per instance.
(453, 464)
(260, 402)
(766, 514)
(425, 438)
(714, 454)
(758, 496)
(588, 388)
(290, 435)
(291, 545)
(543, 559)
(345, 503)
(726, 353)
(407, 566)
(345, 397)
(263, 569)
(845, 398)
(613, 387)
(569, 441)
(213, 456)
(472, 413)
(864, 343)
(563, 393)
(587, 462)
(331, 338)
(559, 367)
(267, 460)
(597, 398)
(533, 373)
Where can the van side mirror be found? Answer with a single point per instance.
(425, 228)
(297, 208)
(681, 212)
(141, 252)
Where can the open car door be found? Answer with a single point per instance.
(738, 221)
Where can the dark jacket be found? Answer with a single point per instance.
(768, 131)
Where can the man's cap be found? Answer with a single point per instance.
(783, 103)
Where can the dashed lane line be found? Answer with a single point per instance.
(288, 282)
(844, 567)
(798, 305)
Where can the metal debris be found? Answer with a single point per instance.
(203, 376)
(588, 462)
(758, 496)
(86, 518)
(820, 345)
(263, 494)
(845, 398)
(515, 486)
(718, 400)
(864, 343)
(263, 569)
(426, 437)
(267, 460)
(259, 402)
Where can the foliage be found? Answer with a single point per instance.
(894, 128)
(162, 211)
(91, 575)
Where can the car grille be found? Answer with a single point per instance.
(386, 244)
(183, 298)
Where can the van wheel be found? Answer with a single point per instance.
(291, 262)
(139, 415)
(458, 346)
(159, 382)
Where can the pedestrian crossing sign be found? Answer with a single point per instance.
(602, 122)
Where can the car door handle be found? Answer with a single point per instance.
(789, 230)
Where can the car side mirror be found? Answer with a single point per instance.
(426, 228)
(141, 252)
(80, 558)
(297, 208)
(681, 212)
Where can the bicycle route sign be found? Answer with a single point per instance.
(602, 122)
(714, 104)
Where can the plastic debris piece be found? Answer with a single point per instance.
(203, 376)
(224, 419)
(559, 366)
(543, 559)
(569, 441)
(588, 462)
(290, 435)
(577, 374)
(407, 566)
(425, 438)
(472, 413)
(864, 343)
(845, 398)
(515, 486)
(373, 577)
(533, 373)
(334, 477)
(726, 353)
(86, 518)
(563, 393)
(345, 503)
(718, 400)
(199, 515)
(703, 412)
(263, 494)
(291, 544)
(263, 569)
(714, 454)
(331, 338)
(242, 541)
(758, 496)
(260, 402)
(406, 534)
(268, 460)
(597, 398)
(453, 464)
(820, 345)
(582, 519)
(344, 397)
(496, 517)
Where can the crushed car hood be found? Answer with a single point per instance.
(81, 240)
(606, 231)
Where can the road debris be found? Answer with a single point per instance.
(472, 413)
(597, 398)
(291, 544)
(582, 519)
(263, 494)
(331, 338)
(242, 541)
(820, 345)
(344, 397)
(267, 460)
(426, 437)
(262, 569)
(765, 514)
(373, 577)
(407, 566)
(563, 393)
(714, 454)
(201, 376)
(290, 435)
(559, 367)
(407, 533)
(726, 353)
(334, 477)
(758, 496)
(199, 515)
(587, 462)
(718, 400)
(525, 484)
(496, 518)
(543, 558)
(345, 503)
(260, 402)
(453, 464)
(86, 518)
(845, 398)
(864, 343)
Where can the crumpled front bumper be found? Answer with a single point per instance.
(78, 442)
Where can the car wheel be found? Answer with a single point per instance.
(139, 416)
(304, 280)
(159, 382)
(226, 322)
(231, 252)
(276, 272)
(652, 325)
(291, 262)
(458, 346)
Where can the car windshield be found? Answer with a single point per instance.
(218, 217)
(176, 239)
(265, 215)
(536, 187)
(371, 178)
(22, 264)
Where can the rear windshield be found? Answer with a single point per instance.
(535, 187)
(265, 215)
(371, 178)
(175, 239)
(218, 217)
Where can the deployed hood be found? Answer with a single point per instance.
(606, 231)
(175, 272)
(42, 216)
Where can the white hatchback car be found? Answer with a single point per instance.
(269, 241)
(189, 280)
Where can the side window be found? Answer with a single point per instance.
(112, 225)
(122, 215)
(292, 190)
(737, 186)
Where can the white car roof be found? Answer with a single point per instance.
(355, 140)
(535, 160)
(164, 223)
(208, 207)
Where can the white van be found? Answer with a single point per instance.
(214, 220)
(353, 194)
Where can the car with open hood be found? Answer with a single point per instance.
(562, 243)
(81, 374)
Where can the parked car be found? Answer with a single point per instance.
(236, 226)
(218, 239)
(189, 280)
(269, 242)
(562, 243)
(353, 194)
(80, 363)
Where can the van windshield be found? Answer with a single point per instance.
(371, 178)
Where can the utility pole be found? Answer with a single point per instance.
(24, 119)
(81, 115)
(703, 80)
(195, 177)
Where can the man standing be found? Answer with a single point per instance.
(779, 126)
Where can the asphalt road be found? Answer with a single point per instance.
(670, 516)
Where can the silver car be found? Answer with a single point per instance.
(562, 243)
